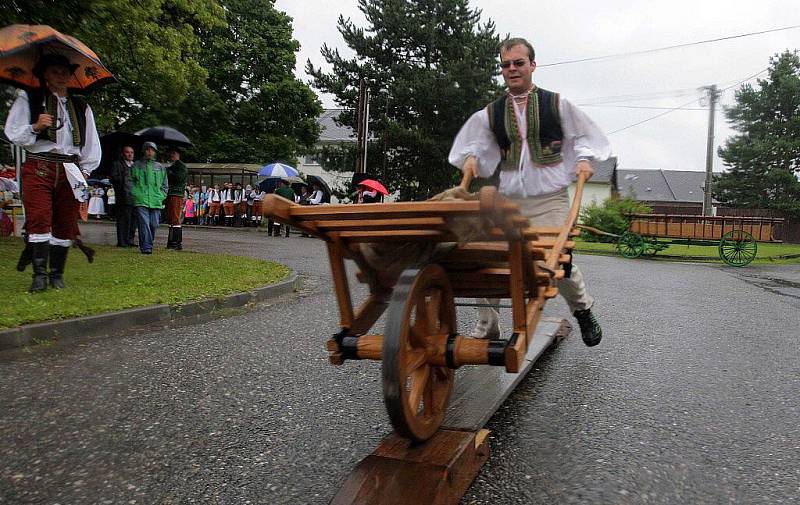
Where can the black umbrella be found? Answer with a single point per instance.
(165, 135)
(326, 190)
(111, 145)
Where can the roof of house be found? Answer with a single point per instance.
(332, 132)
(603, 171)
(657, 185)
(227, 167)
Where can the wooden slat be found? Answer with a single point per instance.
(420, 223)
(387, 210)
(549, 243)
(398, 236)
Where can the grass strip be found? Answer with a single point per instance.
(767, 253)
(124, 278)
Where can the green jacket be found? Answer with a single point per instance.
(285, 192)
(176, 176)
(148, 184)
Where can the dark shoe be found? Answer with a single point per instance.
(58, 258)
(590, 328)
(147, 252)
(39, 254)
(171, 238)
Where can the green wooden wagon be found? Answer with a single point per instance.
(736, 237)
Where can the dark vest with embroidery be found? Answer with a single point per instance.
(544, 129)
(37, 103)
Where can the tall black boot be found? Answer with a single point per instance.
(58, 258)
(177, 238)
(171, 238)
(39, 253)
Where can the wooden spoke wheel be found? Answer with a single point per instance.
(737, 248)
(630, 245)
(651, 246)
(421, 313)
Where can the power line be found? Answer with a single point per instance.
(636, 106)
(646, 51)
(656, 95)
(684, 105)
(653, 117)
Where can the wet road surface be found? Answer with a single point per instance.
(692, 397)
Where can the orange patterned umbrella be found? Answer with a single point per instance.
(21, 46)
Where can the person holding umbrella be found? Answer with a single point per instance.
(177, 173)
(57, 130)
(149, 190)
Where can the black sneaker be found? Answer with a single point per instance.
(590, 328)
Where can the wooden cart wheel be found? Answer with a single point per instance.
(651, 246)
(421, 312)
(630, 245)
(737, 248)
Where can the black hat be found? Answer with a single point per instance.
(50, 60)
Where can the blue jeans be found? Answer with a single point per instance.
(147, 222)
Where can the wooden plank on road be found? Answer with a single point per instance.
(480, 390)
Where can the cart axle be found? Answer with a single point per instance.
(452, 351)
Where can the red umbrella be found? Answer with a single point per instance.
(373, 184)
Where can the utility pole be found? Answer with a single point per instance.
(713, 94)
(362, 127)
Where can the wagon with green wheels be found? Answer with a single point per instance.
(416, 259)
(736, 238)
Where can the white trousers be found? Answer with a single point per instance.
(552, 210)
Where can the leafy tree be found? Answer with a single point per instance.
(763, 160)
(151, 46)
(611, 217)
(219, 70)
(429, 65)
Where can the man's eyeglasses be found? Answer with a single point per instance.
(516, 63)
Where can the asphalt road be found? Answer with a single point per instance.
(692, 397)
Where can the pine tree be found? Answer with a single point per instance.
(429, 65)
(763, 160)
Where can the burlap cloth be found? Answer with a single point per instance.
(391, 258)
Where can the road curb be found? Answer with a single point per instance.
(114, 322)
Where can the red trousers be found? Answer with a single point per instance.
(50, 205)
(174, 210)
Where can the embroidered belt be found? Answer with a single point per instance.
(54, 157)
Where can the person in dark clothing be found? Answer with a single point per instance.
(177, 174)
(121, 180)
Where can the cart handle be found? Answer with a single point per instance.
(552, 261)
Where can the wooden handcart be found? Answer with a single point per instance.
(420, 347)
(735, 237)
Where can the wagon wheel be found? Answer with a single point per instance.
(737, 248)
(421, 312)
(630, 245)
(651, 246)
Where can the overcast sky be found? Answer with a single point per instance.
(574, 29)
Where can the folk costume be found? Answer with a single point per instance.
(535, 139)
(229, 204)
(214, 203)
(258, 198)
(177, 173)
(96, 206)
(53, 175)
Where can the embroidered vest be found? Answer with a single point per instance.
(42, 102)
(544, 129)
